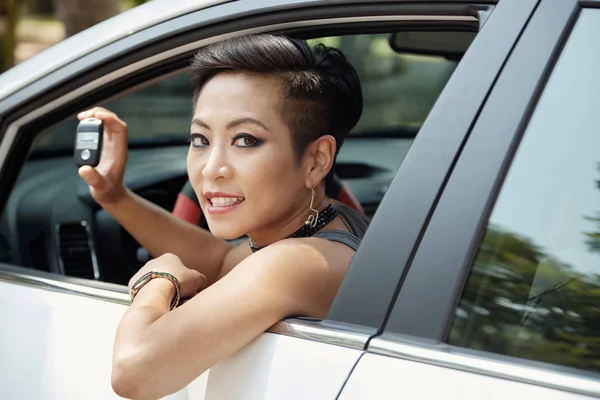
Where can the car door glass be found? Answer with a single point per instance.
(534, 288)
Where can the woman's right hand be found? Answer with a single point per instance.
(106, 180)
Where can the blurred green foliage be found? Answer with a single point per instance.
(9, 12)
(521, 302)
(593, 238)
(71, 13)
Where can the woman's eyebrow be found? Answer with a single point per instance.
(232, 124)
(246, 120)
(201, 123)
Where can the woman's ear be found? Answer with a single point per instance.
(322, 154)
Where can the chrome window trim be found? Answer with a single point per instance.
(309, 330)
(64, 287)
(14, 127)
(291, 327)
(486, 366)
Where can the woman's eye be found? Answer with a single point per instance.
(245, 141)
(198, 140)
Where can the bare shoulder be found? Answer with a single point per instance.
(235, 256)
(315, 255)
(306, 272)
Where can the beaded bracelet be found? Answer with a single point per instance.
(148, 276)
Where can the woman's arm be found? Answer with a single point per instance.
(160, 232)
(154, 228)
(159, 352)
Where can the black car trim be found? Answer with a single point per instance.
(380, 264)
(427, 301)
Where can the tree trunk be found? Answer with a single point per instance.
(8, 26)
(78, 15)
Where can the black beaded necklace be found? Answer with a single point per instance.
(308, 229)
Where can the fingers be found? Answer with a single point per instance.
(92, 177)
(112, 122)
(94, 112)
(191, 280)
(114, 147)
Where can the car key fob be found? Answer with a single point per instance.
(88, 142)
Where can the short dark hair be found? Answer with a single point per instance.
(321, 90)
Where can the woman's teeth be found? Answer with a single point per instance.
(225, 201)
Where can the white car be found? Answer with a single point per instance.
(477, 157)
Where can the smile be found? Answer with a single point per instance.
(225, 201)
(220, 203)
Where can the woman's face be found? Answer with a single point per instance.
(241, 162)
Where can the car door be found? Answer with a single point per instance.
(501, 299)
(59, 340)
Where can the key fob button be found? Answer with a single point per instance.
(85, 155)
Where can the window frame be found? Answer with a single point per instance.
(423, 174)
(104, 73)
(424, 310)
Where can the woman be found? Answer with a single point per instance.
(270, 114)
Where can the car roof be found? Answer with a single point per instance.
(95, 37)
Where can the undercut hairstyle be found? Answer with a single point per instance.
(321, 93)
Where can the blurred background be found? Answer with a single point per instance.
(29, 26)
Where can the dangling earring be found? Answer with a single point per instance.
(314, 216)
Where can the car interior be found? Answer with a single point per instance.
(51, 223)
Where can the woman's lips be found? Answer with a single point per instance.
(215, 210)
(219, 203)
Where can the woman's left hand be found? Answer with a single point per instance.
(191, 281)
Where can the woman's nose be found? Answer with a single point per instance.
(217, 165)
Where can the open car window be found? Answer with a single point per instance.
(399, 89)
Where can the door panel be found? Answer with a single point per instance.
(381, 377)
(279, 367)
(54, 345)
(59, 346)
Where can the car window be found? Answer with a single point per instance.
(534, 288)
(157, 113)
(398, 89)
